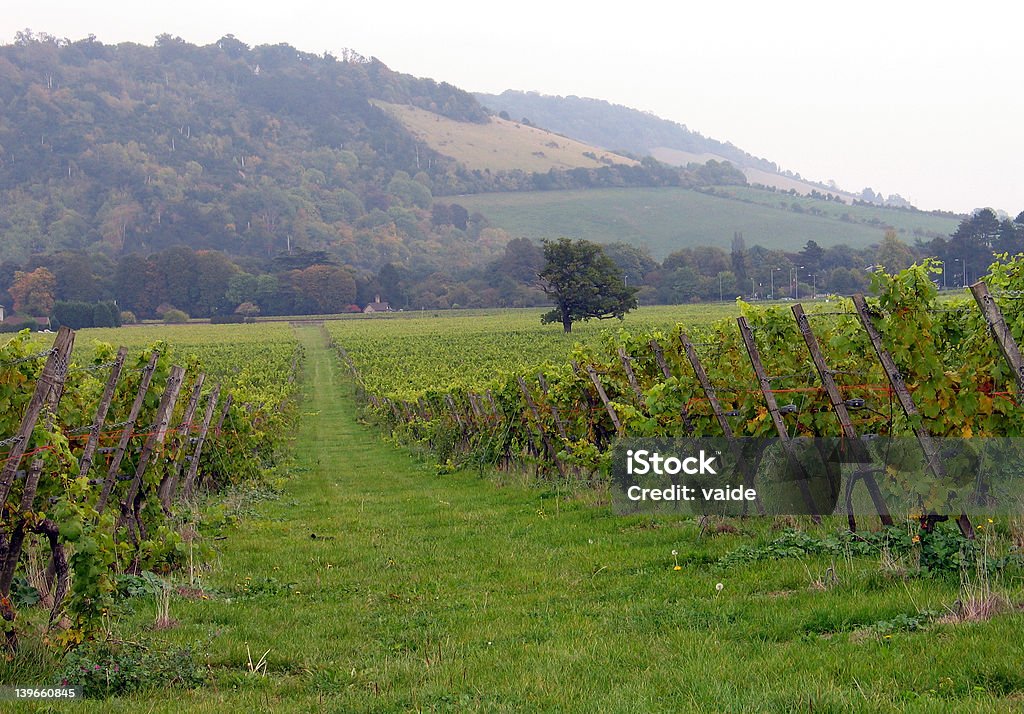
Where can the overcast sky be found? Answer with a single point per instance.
(905, 97)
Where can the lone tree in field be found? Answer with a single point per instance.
(583, 282)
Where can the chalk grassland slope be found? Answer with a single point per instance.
(406, 355)
(666, 219)
(615, 126)
(499, 145)
(678, 157)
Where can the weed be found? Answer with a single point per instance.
(110, 667)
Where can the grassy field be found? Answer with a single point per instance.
(666, 219)
(500, 145)
(909, 224)
(371, 583)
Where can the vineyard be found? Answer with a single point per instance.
(374, 579)
(904, 364)
(404, 355)
(105, 452)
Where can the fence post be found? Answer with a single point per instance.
(723, 423)
(549, 449)
(127, 432)
(555, 415)
(49, 388)
(170, 481)
(85, 461)
(1007, 345)
(659, 356)
(453, 410)
(224, 412)
(130, 506)
(845, 424)
(931, 452)
(193, 466)
(604, 399)
(12, 552)
(627, 367)
(803, 481)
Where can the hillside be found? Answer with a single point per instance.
(614, 126)
(666, 219)
(247, 150)
(617, 127)
(121, 149)
(498, 144)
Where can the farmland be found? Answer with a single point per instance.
(367, 575)
(411, 352)
(666, 219)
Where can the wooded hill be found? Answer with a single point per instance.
(249, 150)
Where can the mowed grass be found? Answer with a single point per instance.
(664, 220)
(374, 584)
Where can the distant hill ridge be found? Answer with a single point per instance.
(256, 149)
(615, 127)
(619, 128)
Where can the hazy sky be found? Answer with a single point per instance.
(921, 99)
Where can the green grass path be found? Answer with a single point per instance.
(378, 585)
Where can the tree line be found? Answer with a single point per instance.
(212, 284)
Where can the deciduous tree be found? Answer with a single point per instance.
(33, 293)
(583, 283)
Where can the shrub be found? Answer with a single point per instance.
(73, 313)
(128, 317)
(106, 314)
(19, 325)
(227, 319)
(175, 317)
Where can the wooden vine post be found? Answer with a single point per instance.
(843, 415)
(1007, 345)
(224, 413)
(170, 481)
(604, 399)
(193, 466)
(131, 505)
(127, 432)
(494, 405)
(552, 407)
(478, 415)
(716, 409)
(12, 552)
(48, 391)
(548, 448)
(659, 357)
(85, 461)
(706, 386)
(803, 480)
(453, 410)
(627, 367)
(49, 388)
(931, 452)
